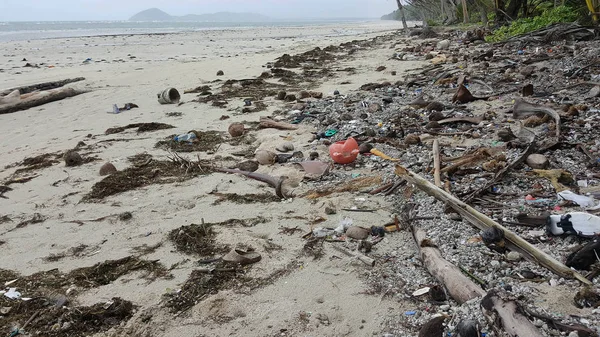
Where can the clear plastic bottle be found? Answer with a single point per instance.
(186, 137)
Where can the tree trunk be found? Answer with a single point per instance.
(451, 12)
(465, 11)
(402, 15)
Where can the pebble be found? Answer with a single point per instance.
(513, 256)
(107, 169)
(537, 161)
(445, 307)
(494, 263)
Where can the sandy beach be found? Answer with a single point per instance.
(133, 69)
(173, 243)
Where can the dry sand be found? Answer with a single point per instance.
(322, 297)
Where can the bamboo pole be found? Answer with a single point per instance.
(483, 222)
(436, 163)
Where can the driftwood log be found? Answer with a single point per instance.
(41, 86)
(266, 122)
(482, 222)
(460, 287)
(38, 99)
(275, 182)
(506, 315)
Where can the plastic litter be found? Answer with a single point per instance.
(186, 137)
(321, 232)
(13, 294)
(420, 292)
(581, 200)
(344, 225)
(344, 152)
(578, 223)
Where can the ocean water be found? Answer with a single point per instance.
(19, 31)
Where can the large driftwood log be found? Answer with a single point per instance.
(482, 222)
(41, 86)
(460, 287)
(505, 315)
(508, 314)
(38, 99)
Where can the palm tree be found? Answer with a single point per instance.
(402, 16)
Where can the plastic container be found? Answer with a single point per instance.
(186, 137)
(345, 151)
(169, 96)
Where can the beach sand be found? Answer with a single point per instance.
(305, 297)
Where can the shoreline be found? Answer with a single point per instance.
(64, 33)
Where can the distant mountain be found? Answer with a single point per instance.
(152, 14)
(155, 14)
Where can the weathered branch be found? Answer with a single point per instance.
(481, 221)
(41, 86)
(38, 99)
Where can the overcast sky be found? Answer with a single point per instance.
(37, 10)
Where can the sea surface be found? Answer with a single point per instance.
(20, 31)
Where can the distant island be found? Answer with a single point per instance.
(155, 14)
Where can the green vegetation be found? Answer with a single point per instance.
(525, 25)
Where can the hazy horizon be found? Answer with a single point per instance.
(101, 10)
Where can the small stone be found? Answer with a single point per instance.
(393, 73)
(313, 155)
(370, 132)
(236, 129)
(248, 165)
(336, 92)
(265, 74)
(357, 233)
(281, 95)
(432, 125)
(316, 94)
(285, 147)
(304, 94)
(290, 97)
(573, 334)
(72, 158)
(380, 68)
(330, 211)
(527, 90)
(435, 116)
(538, 323)
(299, 106)
(506, 135)
(5, 310)
(435, 106)
(454, 217)
(527, 71)
(513, 256)
(445, 307)
(537, 161)
(107, 169)
(365, 148)
(125, 216)
(412, 139)
(494, 263)
(220, 73)
(373, 108)
(444, 44)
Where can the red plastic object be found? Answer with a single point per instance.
(344, 152)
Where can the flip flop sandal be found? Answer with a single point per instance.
(241, 257)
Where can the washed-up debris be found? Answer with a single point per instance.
(141, 127)
(169, 96)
